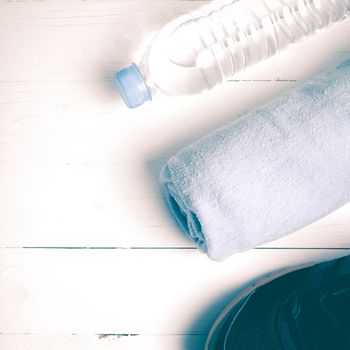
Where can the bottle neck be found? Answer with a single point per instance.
(151, 86)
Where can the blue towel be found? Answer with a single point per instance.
(275, 170)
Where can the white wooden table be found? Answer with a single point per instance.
(90, 257)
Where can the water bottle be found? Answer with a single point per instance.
(196, 51)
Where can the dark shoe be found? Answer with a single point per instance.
(306, 309)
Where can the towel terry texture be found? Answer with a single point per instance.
(273, 171)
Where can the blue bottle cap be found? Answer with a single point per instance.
(132, 86)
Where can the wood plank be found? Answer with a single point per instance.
(101, 342)
(146, 292)
(111, 205)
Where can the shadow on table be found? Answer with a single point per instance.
(198, 330)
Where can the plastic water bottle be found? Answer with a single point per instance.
(198, 50)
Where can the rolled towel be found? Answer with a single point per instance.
(275, 170)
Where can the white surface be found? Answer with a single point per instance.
(79, 182)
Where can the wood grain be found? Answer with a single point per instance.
(89, 255)
(100, 341)
(145, 291)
